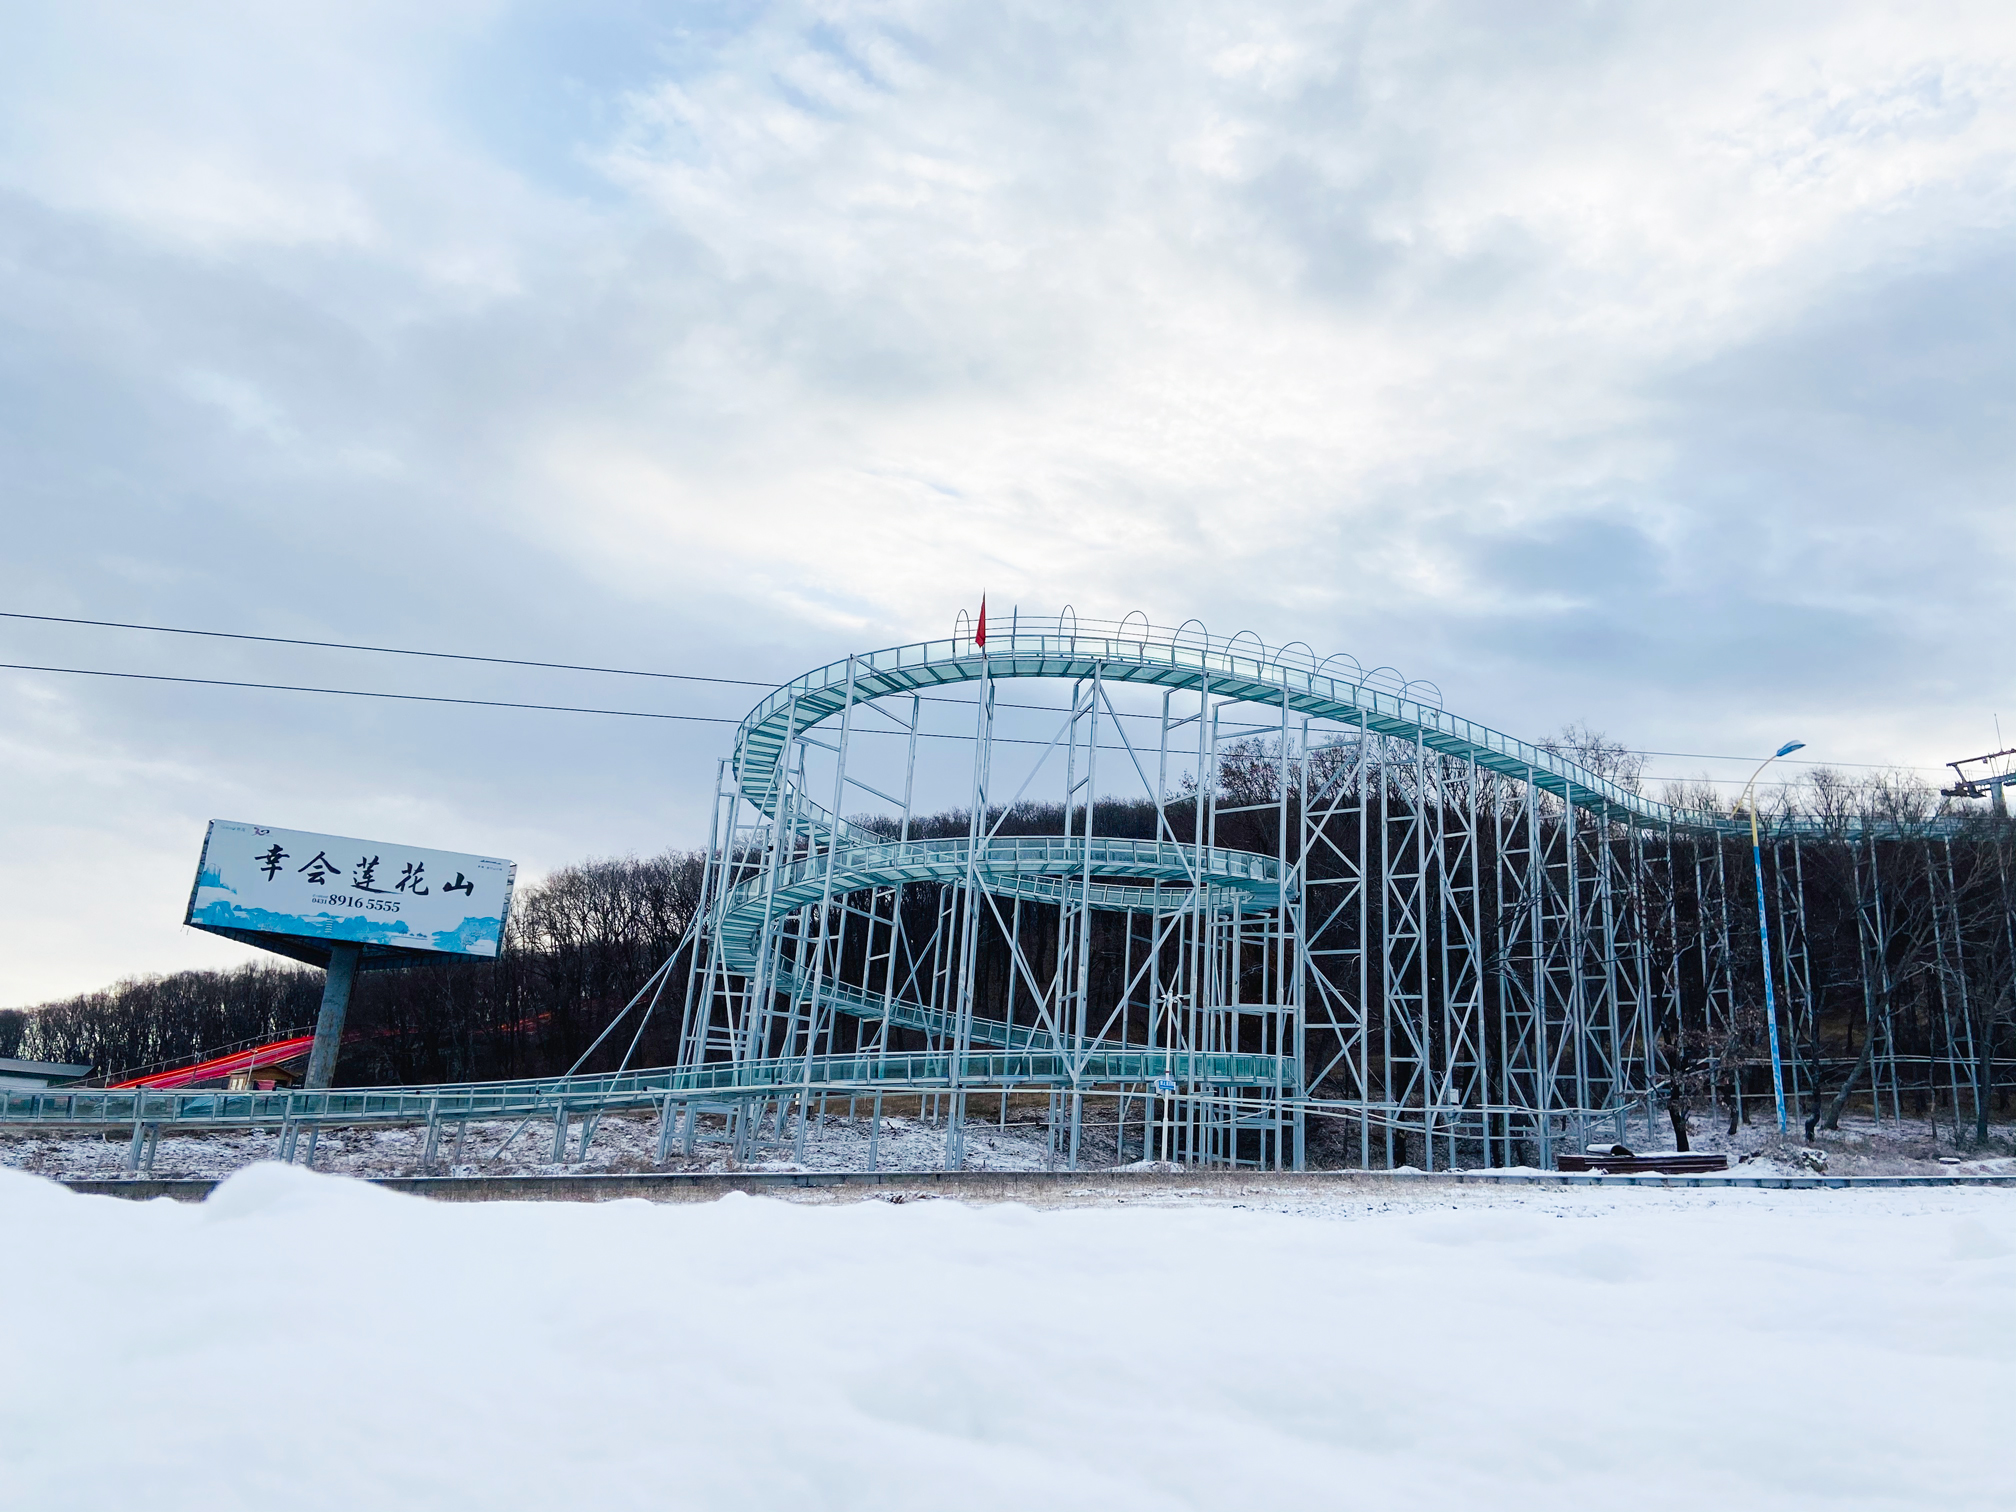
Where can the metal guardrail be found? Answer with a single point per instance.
(722, 1081)
(1032, 867)
(1333, 688)
(1242, 667)
(1035, 868)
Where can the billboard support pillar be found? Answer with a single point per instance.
(329, 1022)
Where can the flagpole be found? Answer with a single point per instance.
(962, 1022)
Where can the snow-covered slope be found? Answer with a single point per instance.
(304, 1341)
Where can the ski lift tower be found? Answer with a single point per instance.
(1988, 784)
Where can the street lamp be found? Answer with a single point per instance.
(1764, 927)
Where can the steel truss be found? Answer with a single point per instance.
(1451, 949)
(1289, 913)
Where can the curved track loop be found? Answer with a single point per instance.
(848, 857)
(1163, 659)
(845, 857)
(1038, 869)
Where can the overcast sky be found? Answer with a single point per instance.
(1643, 365)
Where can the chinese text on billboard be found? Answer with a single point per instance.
(259, 879)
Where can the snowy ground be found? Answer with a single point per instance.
(628, 1142)
(305, 1342)
(625, 1142)
(1862, 1146)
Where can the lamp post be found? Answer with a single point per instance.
(1764, 926)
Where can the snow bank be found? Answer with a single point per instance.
(623, 1142)
(309, 1342)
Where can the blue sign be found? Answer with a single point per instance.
(258, 881)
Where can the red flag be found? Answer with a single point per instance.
(980, 631)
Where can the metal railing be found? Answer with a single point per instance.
(1334, 687)
(720, 1081)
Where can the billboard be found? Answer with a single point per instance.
(289, 890)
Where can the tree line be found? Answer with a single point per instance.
(1907, 976)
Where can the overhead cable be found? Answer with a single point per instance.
(483, 703)
(285, 640)
(498, 703)
(479, 703)
(512, 661)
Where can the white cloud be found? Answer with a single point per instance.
(1630, 364)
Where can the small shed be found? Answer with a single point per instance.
(264, 1079)
(38, 1076)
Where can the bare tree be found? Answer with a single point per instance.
(1596, 752)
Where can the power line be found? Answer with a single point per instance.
(511, 661)
(483, 703)
(284, 640)
(495, 661)
(1878, 766)
(480, 703)
(497, 703)
(1731, 782)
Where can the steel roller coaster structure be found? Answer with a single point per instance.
(1332, 922)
